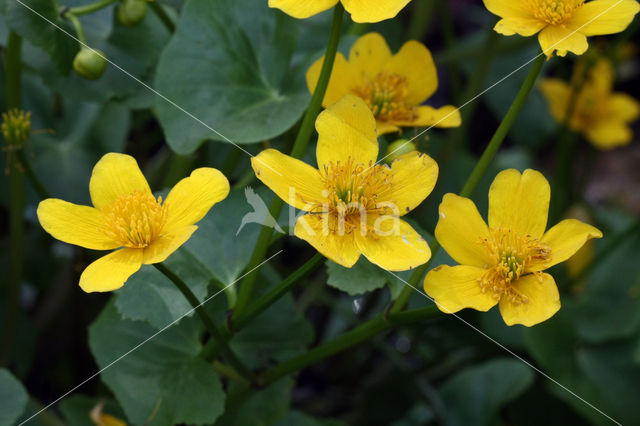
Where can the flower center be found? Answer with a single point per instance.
(554, 12)
(385, 96)
(135, 220)
(512, 255)
(352, 190)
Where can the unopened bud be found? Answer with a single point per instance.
(131, 12)
(398, 148)
(90, 63)
(16, 126)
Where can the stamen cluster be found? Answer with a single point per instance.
(135, 220)
(554, 12)
(385, 95)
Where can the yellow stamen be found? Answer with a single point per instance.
(135, 220)
(512, 255)
(385, 95)
(554, 12)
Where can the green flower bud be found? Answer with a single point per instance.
(90, 63)
(131, 12)
(397, 148)
(16, 126)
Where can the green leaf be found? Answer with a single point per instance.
(77, 409)
(476, 394)
(35, 29)
(161, 382)
(13, 398)
(228, 64)
(364, 276)
(299, 418)
(261, 408)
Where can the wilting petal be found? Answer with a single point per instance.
(192, 197)
(542, 300)
(414, 62)
(113, 176)
(302, 8)
(519, 202)
(456, 288)
(601, 17)
(368, 11)
(166, 244)
(341, 82)
(110, 272)
(78, 225)
(317, 230)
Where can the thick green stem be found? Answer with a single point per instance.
(90, 8)
(16, 207)
(228, 354)
(479, 170)
(163, 16)
(35, 182)
(347, 340)
(299, 147)
(77, 25)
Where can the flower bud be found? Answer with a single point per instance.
(131, 12)
(90, 63)
(16, 126)
(398, 148)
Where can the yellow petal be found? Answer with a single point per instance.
(446, 116)
(456, 288)
(508, 8)
(316, 230)
(302, 8)
(368, 11)
(346, 129)
(384, 128)
(192, 197)
(566, 238)
(113, 176)
(294, 181)
(110, 272)
(414, 62)
(78, 225)
(623, 107)
(542, 300)
(516, 25)
(166, 244)
(600, 17)
(609, 134)
(341, 82)
(368, 55)
(562, 39)
(460, 230)
(557, 93)
(394, 245)
(519, 202)
(413, 176)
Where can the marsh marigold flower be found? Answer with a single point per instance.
(563, 25)
(126, 216)
(393, 86)
(503, 262)
(603, 117)
(353, 205)
(360, 10)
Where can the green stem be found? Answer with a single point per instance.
(35, 182)
(16, 206)
(228, 354)
(163, 16)
(448, 34)
(89, 8)
(77, 25)
(376, 325)
(420, 18)
(299, 147)
(229, 372)
(478, 171)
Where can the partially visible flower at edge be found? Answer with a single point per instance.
(126, 216)
(503, 263)
(361, 11)
(601, 115)
(353, 205)
(563, 25)
(393, 86)
(99, 418)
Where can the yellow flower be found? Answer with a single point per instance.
(563, 25)
(360, 10)
(393, 86)
(104, 419)
(601, 116)
(126, 216)
(353, 205)
(503, 262)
